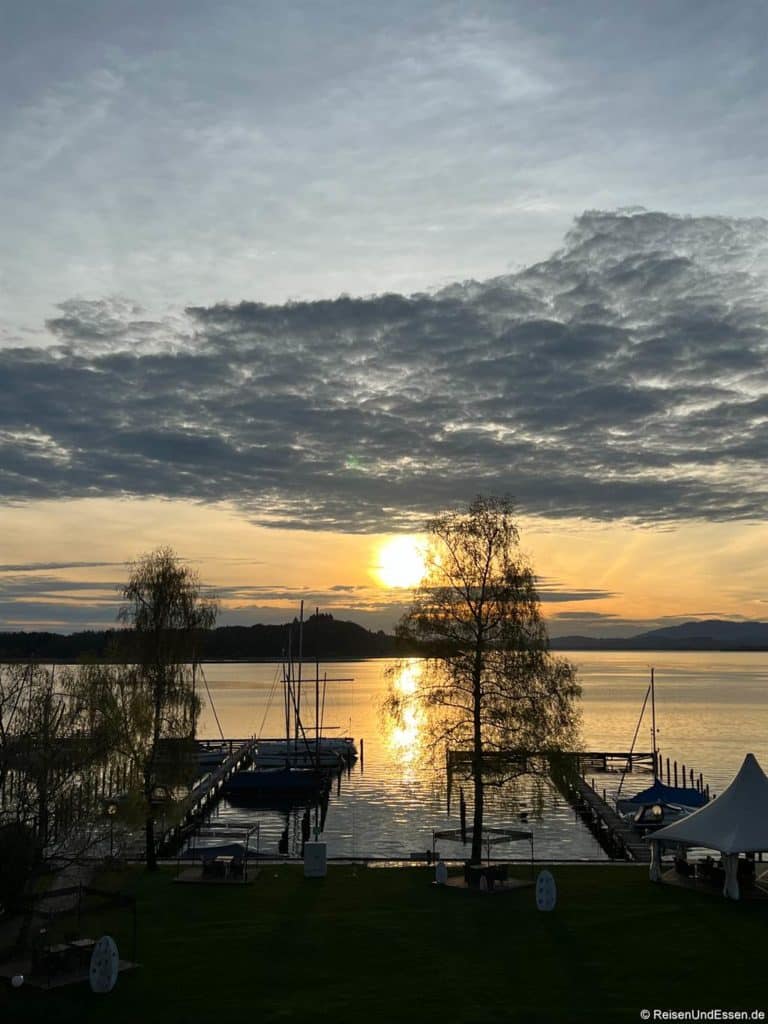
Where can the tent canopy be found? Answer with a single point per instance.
(735, 822)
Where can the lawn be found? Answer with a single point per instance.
(376, 945)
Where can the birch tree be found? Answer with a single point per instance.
(489, 681)
(152, 701)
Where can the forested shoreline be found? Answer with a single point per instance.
(324, 636)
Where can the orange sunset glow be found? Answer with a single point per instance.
(616, 572)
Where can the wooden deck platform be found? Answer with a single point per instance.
(509, 885)
(194, 876)
(756, 890)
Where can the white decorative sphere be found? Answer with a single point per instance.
(17, 980)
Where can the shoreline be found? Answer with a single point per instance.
(349, 658)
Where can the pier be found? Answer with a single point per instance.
(201, 798)
(568, 773)
(619, 840)
(580, 761)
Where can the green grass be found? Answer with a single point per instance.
(376, 945)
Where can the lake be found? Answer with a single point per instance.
(711, 709)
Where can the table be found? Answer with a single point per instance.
(83, 949)
(224, 866)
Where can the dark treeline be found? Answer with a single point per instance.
(324, 636)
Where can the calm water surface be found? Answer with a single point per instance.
(711, 710)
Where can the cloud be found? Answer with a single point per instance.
(34, 586)
(35, 567)
(552, 591)
(625, 376)
(36, 600)
(52, 616)
(584, 616)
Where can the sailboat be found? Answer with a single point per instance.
(296, 765)
(659, 804)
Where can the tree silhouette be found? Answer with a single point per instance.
(489, 680)
(151, 699)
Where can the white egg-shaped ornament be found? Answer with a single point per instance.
(546, 891)
(105, 965)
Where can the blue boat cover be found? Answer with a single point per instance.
(659, 793)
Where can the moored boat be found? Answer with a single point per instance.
(656, 815)
(279, 781)
(342, 746)
(659, 804)
(684, 798)
(300, 763)
(265, 757)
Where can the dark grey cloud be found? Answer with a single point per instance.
(32, 598)
(53, 616)
(325, 595)
(37, 567)
(581, 616)
(563, 596)
(625, 376)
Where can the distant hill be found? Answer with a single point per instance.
(699, 635)
(323, 635)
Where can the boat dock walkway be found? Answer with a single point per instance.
(616, 837)
(205, 793)
(619, 839)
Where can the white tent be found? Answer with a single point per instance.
(736, 822)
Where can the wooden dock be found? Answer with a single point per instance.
(568, 773)
(199, 801)
(619, 839)
(615, 761)
(580, 761)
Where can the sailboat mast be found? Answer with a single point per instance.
(287, 690)
(653, 728)
(317, 688)
(298, 688)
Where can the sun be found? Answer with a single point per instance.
(401, 562)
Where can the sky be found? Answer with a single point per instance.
(279, 282)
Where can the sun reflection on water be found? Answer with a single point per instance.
(405, 738)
